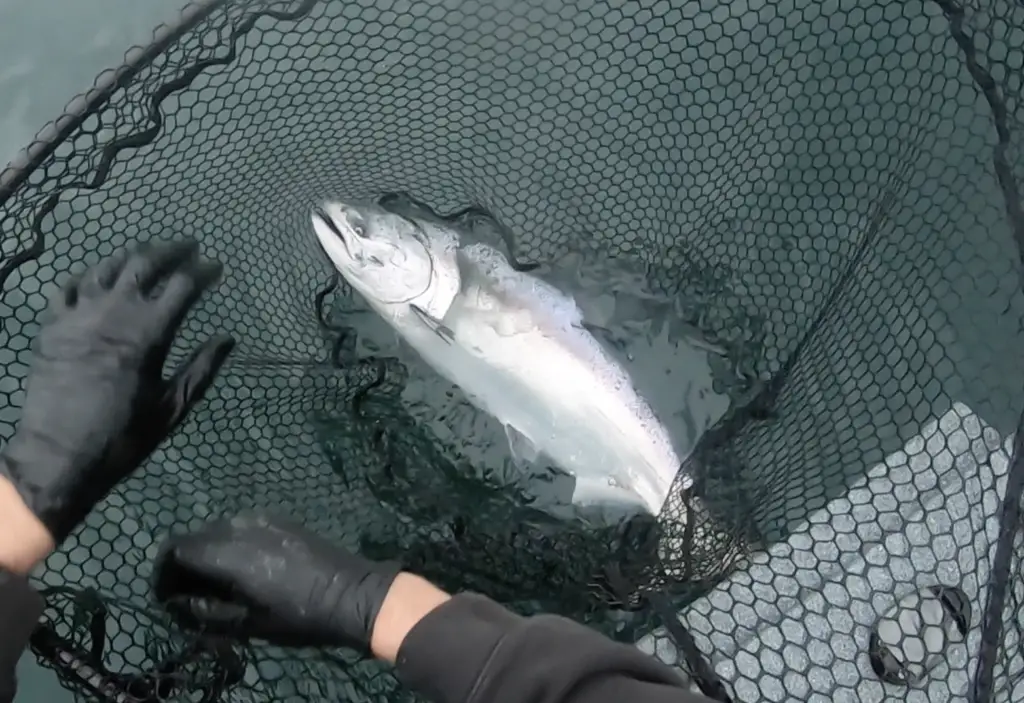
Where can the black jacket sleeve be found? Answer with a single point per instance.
(472, 650)
(20, 607)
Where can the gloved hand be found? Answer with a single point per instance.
(96, 403)
(273, 580)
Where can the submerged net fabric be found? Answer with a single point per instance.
(832, 191)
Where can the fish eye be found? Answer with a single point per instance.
(357, 224)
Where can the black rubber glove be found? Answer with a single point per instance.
(96, 403)
(273, 580)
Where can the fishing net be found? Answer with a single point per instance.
(825, 195)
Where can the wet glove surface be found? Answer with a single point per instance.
(271, 579)
(96, 403)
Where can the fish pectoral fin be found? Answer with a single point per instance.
(440, 329)
(596, 330)
(600, 332)
(524, 452)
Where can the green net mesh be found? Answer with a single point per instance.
(826, 194)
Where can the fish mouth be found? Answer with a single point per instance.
(320, 212)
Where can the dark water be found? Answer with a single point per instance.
(457, 507)
(673, 368)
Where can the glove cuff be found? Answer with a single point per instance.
(384, 574)
(59, 518)
(355, 606)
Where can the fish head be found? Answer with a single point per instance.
(387, 257)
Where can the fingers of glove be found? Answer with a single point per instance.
(101, 278)
(190, 558)
(238, 620)
(222, 563)
(194, 549)
(207, 614)
(174, 577)
(184, 287)
(269, 531)
(150, 264)
(67, 296)
(194, 377)
(195, 591)
(253, 553)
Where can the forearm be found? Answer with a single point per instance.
(409, 600)
(468, 649)
(24, 540)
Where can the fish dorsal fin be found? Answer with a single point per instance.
(491, 265)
